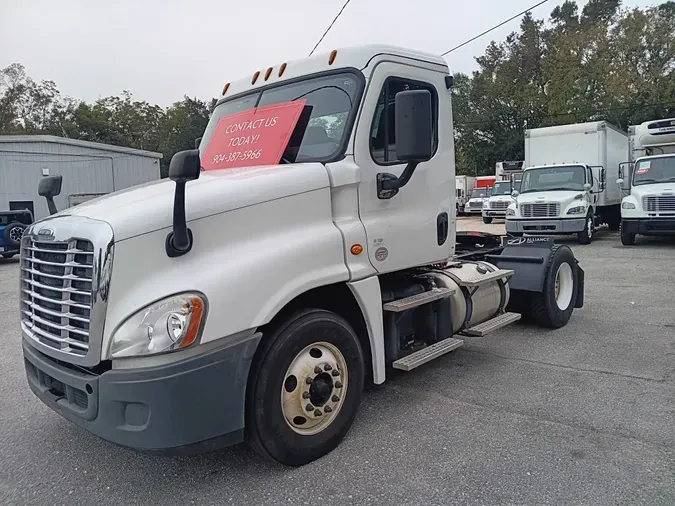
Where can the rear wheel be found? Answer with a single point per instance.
(586, 235)
(305, 388)
(627, 238)
(12, 235)
(553, 307)
(487, 220)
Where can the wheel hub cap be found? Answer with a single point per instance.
(16, 234)
(314, 388)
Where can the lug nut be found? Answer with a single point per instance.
(338, 384)
(305, 395)
(317, 412)
(327, 409)
(336, 373)
(327, 367)
(317, 370)
(309, 407)
(308, 380)
(335, 398)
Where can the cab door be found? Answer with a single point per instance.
(416, 226)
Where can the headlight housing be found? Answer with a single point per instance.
(627, 205)
(577, 210)
(510, 212)
(167, 325)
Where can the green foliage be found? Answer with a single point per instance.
(604, 63)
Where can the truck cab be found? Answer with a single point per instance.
(499, 200)
(649, 206)
(308, 247)
(475, 203)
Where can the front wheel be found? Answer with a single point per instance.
(305, 387)
(487, 220)
(586, 235)
(553, 307)
(627, 238)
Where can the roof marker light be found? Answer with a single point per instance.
(255, 77)
(282, 69)
(332, 56)
(225, 88)
(267, 74)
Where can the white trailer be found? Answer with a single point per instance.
(464, 185)
(649, 208)
(564, 185)
(252, 294)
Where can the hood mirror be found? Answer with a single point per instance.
(50, 187)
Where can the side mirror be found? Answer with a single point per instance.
(414, 138)
(185, 166)
(620, 182)
(49, 187)
(515, 193)
(587, 187)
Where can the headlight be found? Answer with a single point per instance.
(510, 212)
(169, 324)
(577, 210)
(627, 205)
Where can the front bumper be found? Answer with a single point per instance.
(473, 210)
(649, 226)
(494, 213)
(193, 405)
(546, 226)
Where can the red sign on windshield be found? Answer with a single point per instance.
(257, 136)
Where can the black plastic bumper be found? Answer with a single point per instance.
(649, 226)
(194, 405)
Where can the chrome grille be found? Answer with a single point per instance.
(499, 205)
(475, 205)
(57, 292)
(659, 203)
(537, 210)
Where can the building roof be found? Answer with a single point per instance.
(79, 143)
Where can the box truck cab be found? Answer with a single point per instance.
(649, 208)
(480, 193)
(564, 187)
(464, 186)
(499, 200)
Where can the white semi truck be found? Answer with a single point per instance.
(237, 301)
(564, 186)
(649, 209)
(464, 186)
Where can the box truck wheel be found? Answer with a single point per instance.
(487, 220)
(553, 307)
(305, 387)
(627, 239)
(586, 235)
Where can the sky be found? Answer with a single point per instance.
(161, 50)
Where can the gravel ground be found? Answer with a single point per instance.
(579, 416)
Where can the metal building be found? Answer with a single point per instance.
(89, 170)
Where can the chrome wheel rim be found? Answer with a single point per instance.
(314, 388)
(564, 286)
(16, 234)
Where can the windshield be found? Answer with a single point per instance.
(479, 193)
(322, 130)
(656, 170)
(501, 188)
(553, 178)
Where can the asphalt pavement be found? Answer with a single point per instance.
(584, 415)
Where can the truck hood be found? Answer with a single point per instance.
(654, 189)
(501, 198)
(563, 197)
(149, 207)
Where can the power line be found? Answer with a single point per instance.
(494, 27)
(329, 27)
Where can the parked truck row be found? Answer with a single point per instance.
(251, 296)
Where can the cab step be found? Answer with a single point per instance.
(495, 323)
(396, 306)
(478, 279)
(427, 354)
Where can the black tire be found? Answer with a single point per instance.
(12, 235)
(487, 220)
(269, 433)
(586, 235)
(627, 238)
(543, 306)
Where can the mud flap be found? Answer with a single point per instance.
(528, 257)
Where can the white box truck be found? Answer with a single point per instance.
(281, 266)
(479, 194)
(507, 178)
(649, 208)
(464, 185)
(564, 186)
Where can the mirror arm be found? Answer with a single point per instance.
(388, 184)
(179, 241)
(51, 205)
